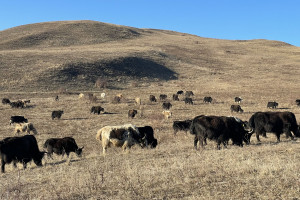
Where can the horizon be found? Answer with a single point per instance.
(247, 20)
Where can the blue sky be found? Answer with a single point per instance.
(222, 19)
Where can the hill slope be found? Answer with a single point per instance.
(73, 54)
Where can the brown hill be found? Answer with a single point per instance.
(74, 54)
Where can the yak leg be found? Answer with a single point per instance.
(15, 164)
(218, 145)
(264, 134)
(24, 165)
(195, 141)
(175, 131)
(105, 144)
(126, 145)
(49, 155)
(278, 137)
(289, 134)
(3, 166)
(201, 142)
(257, 137)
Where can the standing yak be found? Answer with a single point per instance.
(218, 128)
(146, 136)
(62, 146)
(275, 122)
(20, 149)
(97, 109)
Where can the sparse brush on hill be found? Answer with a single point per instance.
(73, 54)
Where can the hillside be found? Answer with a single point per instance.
(74, 54)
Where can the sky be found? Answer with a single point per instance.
(220, 19)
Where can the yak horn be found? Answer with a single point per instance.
(251, 131)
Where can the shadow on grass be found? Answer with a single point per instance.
(77, 118)
(61, 162)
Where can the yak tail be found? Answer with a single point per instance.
(98, 135)
(251, 124)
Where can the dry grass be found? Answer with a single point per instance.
(174, 170)
(259, 71)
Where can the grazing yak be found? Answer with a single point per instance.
(97, 109)
(102, 95)
(56, 98)
(236, 108)
(162, 97)
(219, 129)
(238, 99)
(25, 101)
(57, 114)
(207, 99)
(17, 119)
(80, 96)
(167, 114)
(298, 102)
(175, 97)
(166, 105)
(5, 101)
(119, 136)
(275, 122)
(138, 101)
(188, 100)
(152, 98)
(17, 104)
(132, 113)
(25, 128)
(179, 92)
(189, 93)
(62, 146)
(181, 126)
(116, 99)
(147, 136)
(20, 149)
(272, 104)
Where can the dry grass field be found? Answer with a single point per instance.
(38, 61)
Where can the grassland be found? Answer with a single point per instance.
(258, 70)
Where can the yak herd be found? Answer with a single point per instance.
(220, 129)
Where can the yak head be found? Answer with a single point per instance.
(79, 151)
(38, 158)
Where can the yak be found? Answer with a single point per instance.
(275, 122)
(219, 129)
(20, 149)
(62, 146)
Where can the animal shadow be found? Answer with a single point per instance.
(76, 118)
(109, 113)
(61, 162)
